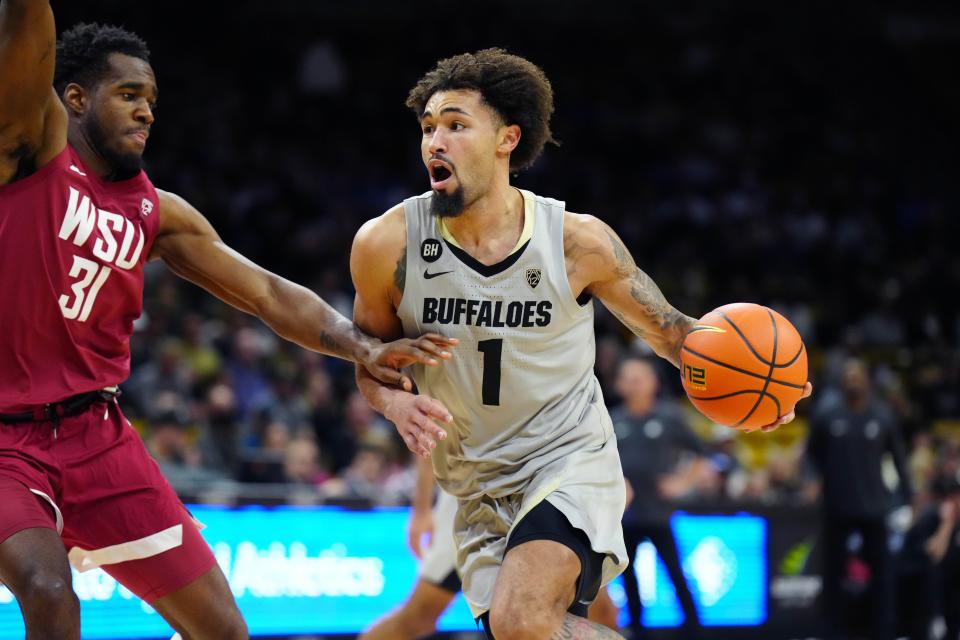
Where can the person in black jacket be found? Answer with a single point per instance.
(651, 436)
(929, 565)
(847, 444)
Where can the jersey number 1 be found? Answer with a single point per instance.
(492, 351)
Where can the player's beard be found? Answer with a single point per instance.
(448, 205)
(123, 165)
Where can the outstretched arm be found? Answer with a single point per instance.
(32, 120)
(378, 267)
(193, 249)
(599, 264)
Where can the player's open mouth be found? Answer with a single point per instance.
(440, 174)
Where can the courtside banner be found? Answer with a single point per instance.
(329, 570)
(796, 570)
(725, 560)
(293, 570)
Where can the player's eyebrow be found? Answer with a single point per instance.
(428, 114)
(138, 86)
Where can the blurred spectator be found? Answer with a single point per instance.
(221, 441)
(326, 417)
(287, 404)
(301, 464)
(265, 462)
(367, 427)
(846, 445)
(923, 466)
(729, 477)
(779, 481)
(372, 477)
(651, 436)
(247, 371)
(172, 446)
(929, 565)
(166, 372)
(198, 353)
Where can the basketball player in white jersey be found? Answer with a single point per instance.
(526, 444)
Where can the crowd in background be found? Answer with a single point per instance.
(222, 399)
(745, 154)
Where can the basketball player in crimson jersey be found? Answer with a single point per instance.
(78, 220)
(528, 447)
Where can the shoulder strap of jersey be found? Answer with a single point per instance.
(419, 224)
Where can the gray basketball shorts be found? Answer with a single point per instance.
(586, 486)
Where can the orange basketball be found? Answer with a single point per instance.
(743, 365)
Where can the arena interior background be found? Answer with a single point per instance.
(802, 156)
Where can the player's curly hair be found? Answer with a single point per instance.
(82, 53)
(516, 89)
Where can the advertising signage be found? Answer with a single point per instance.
(329, 570)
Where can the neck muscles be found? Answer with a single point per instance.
(489, 221)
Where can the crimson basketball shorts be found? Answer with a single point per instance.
(92, 480)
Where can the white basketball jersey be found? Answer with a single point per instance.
(520, 386)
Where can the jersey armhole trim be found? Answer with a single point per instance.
(407, 233)
(577, 305)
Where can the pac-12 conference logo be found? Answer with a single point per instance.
(533, 277)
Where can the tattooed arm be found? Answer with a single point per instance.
(599, 264)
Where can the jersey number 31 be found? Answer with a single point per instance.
(90, 276)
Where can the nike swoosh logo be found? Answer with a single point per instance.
(707, 327)
(74, 168)
(428, 275)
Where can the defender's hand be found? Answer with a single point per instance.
(385, 360)
(416, 420)
(421, 524)
(807, 390)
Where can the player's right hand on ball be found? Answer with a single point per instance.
(807, 390)
(421, 525)
(417, 418)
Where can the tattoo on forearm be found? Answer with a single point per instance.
(330, 343)
(636, 329)
(339, 336)
(576, 628)
(400, 273)
(673, 324)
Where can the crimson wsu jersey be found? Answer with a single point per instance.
(72, 250)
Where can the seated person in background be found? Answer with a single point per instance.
(929, 567)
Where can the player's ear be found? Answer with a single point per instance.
(509, 138)
(76, 99)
